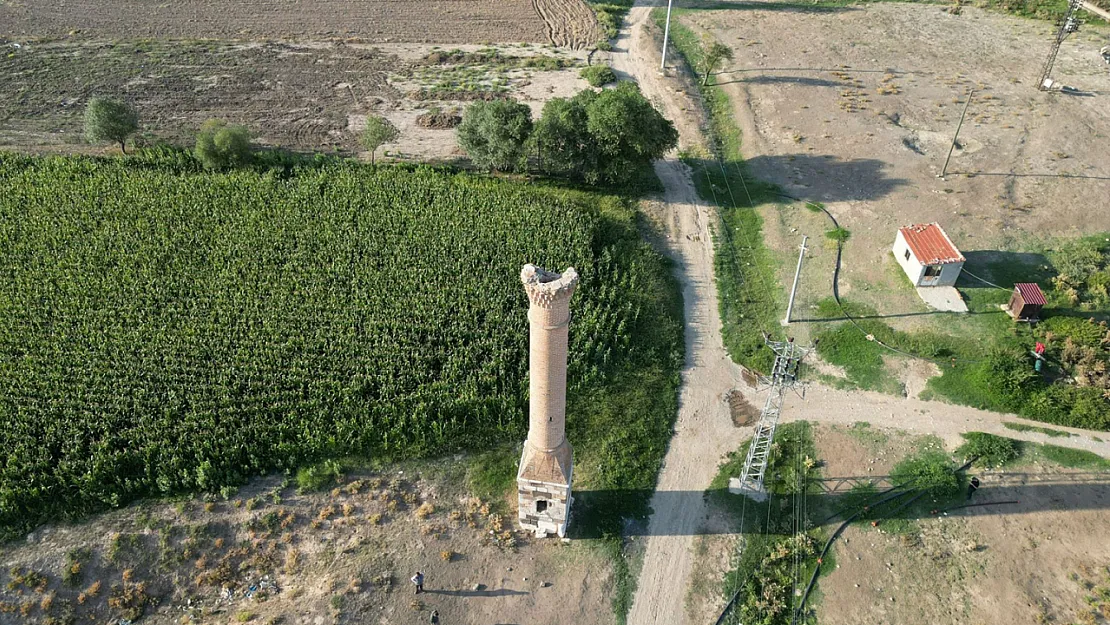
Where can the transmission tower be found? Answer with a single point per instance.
(784, 377)
(1068, 25)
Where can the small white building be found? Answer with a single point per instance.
(928, 256)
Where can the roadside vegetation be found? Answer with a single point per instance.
(776, 537)
(227, 324)
(750, 299)
(998, 451)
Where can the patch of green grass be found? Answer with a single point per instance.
(1021, 427)
(867, 435)
(840, 235)
(318, 476)
(1074, 458)
(750, 299)
(491, 474)
(931, 471)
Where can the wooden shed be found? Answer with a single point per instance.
(1026, 302)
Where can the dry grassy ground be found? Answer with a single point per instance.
(343, 556)
(855, 107)
(300, 96)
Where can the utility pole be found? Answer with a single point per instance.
(794, 289)
(666, 34)
(944, 170)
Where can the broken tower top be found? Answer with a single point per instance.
(545, 287)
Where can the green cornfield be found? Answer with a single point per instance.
(169, 331)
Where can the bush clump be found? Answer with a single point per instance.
(602, 137)
(989, 450)
(221, 145)
(931, 471)
(318, 476)
(598, 75)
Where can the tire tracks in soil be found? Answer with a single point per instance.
(569, 23)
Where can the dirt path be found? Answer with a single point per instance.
(704, 431)
(826, 405)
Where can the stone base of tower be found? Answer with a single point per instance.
(543, 489)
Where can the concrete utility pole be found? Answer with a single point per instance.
(666, 34)
(547, 463)
(794, 289)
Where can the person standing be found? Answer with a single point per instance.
(418, 581)
(972, 487)
(435, 617)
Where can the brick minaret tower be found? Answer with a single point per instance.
(543, 481)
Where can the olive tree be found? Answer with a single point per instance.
(715, 52)
(605, 137)
(378, 132)
(496, 134)
(110, 120)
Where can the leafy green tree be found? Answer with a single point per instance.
(563, 139)
(379, 131)
(627, 130)
(715, 52)
(110, 120)
(221, 145)
(495, 134)
(603, 137)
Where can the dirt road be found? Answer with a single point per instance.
(703, 431)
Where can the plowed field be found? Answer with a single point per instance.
(563, 22)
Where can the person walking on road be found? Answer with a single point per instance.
(435, 617)
(418, 580)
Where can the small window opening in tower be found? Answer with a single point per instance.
(541, 505)
(907, 254)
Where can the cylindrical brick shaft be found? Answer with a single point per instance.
(548, 320)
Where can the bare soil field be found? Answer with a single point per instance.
(560, 22)
(301, 96)
(1041, 560)
(855, 107)
(270, 555)
(1036, 561)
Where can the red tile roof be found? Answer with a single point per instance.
(931, 245)
(1030, 293)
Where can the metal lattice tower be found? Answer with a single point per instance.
(1068, 25)
(784, 377)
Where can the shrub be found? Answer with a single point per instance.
(495, 134)
(377, 133)
(930, 471)
(220, 145)
(110, 120)
(598, 75)
(318, 476)
(988, 449)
